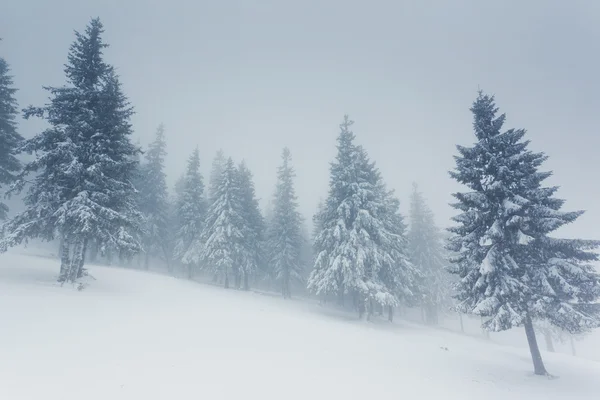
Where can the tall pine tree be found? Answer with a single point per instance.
(153, 199)
(216, 173)
(285, 239)
(253, 227)
(359, 249)
(9, 137)
(511, 271)
(223, 234)
(191, 211)
(427, 255)
(83, 163)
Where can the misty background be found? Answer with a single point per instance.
(251, 77)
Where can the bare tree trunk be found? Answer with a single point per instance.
(190, 271)
(64, 260)
(80, 269)
(76, 260)
(573, 351)
(462, 325)
(549, 342)
(536, 356)
(390, 313)
(226, 284)
(146, 261)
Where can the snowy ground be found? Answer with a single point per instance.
(134, 335)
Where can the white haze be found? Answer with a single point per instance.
(253, 76)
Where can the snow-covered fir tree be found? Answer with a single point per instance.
(153, 200)
(9, 137)
(216, 173)
(428, 256)
(285, 240)
(191, 211)
(223, 235)
(512, 272)
(360, 250)
(253, 228)
(83, 165)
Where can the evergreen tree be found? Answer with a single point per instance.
(253, 227)
(285, 229)
(427, 255)
(223, 235)
(216, 173)
(84, 163)
(153, 199)
(511, 271)
(9, 138)
(191, 211)
(359, 250)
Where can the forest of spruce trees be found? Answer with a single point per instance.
(101, 198)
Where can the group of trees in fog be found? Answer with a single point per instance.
(89, 187)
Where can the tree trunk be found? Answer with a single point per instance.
(462, 325)
(65, 259)
(60, 247)
(390, 313)
(423, 318)
(146, 261)
(80, 269)
(246, 281)
(486, 333)
(76, 260)
(549, 342)
(538, 364)
(190, 271)
(370, 309)
(573, 351)
(226, 284)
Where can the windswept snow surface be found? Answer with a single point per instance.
(134, 335)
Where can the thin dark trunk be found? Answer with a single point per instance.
(146, 261)
(485, 332)
(536, 356)
(64, 260)
(371, 310)
(549, 342)
(390, 313)
(462, 325)
(226, 284)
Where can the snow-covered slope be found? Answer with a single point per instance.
(134, 335)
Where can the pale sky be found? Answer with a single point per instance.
(253, 76)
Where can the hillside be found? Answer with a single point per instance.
(134, 335)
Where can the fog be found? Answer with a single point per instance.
(253, 76)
